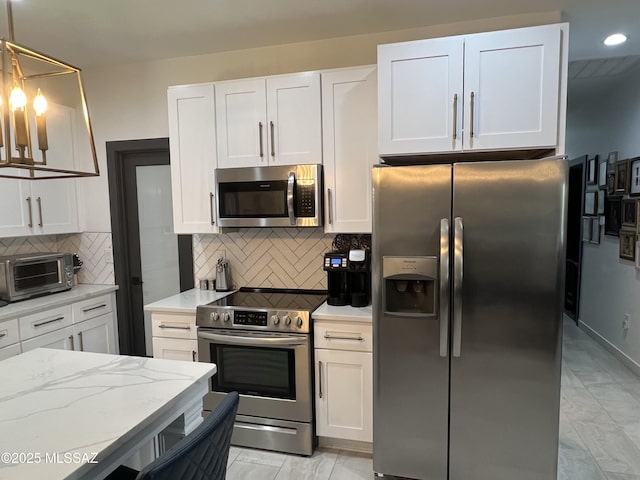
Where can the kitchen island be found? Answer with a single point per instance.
(78, 415)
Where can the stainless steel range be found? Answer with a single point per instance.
(260, 341)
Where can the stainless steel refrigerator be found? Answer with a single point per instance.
(468, 289)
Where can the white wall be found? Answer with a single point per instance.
(604, 117)
(129, 101)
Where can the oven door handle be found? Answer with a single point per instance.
(255, 341)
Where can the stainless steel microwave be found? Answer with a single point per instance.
(283, 196)
(35, 274)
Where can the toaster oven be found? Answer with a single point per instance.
(31, 275)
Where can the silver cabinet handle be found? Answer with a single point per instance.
(30, 212)
(291, 183)
(455, 116)
(47, 322)
(3, 334)
(444, 287)
(260, 135)
(81, 341)
(177, 327)
(457, 285)
(354, 339)
(211, 208)
(320, 379)
(472, 112)
(330, 197)
(97, 307)
(193, 355)
(273, 140)
(71, 340)
(39, 200)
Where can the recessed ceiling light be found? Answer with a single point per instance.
(615, 39)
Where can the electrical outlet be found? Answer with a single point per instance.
(108, 255)
(626, 323)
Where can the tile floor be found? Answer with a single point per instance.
(599, 428)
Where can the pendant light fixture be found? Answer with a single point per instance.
(45, 130)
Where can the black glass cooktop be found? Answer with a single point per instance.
(273, 299)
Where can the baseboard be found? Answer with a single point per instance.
(615, 351)
(341, 444)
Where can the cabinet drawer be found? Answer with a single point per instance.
(343, 336)
(175, 349)
(43, 322)
(91, 308)
(10, 351)
(174, 326)
(9, 332)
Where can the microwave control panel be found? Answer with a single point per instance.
(305, 199)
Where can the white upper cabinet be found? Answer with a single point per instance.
(16, 216)
(349, 132)
(487, 91)
(420, 96)
(269, 121)
(54, 206)
(193, 158)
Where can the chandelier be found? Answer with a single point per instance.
(45, 130)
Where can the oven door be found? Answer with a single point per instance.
(271, 371)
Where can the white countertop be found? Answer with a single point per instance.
(68, 401)
(185, 302)
(346, 313)
(34, 305)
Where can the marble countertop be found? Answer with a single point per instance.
(57, 401)
(346, 313)
(185, 302)
(34, 305)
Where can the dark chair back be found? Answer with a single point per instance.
(201, 455)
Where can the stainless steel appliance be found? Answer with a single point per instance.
(260, 341)
(286, 196)
(223, 276)
(348, 278)
(34, 274)
(467, 300)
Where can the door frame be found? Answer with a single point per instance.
(119, 153)
(578, 162)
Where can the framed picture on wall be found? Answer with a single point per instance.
(595, 230)
(601, 196)
(586, 229)
(612, 207)
(638, 217)
(612, 158)
(611, 183)
(634, 184)
(629, 213)
(592, 165)
(602, 174)
(622, 177)
(627, 245)
(590, 203)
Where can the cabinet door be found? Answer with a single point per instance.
(293, 113)
(420, 96)
(193, 158)
(61, 339)
(349, 126)
(96, 335)
(241, 123)
(55, 206)
(10, 351)
(344, 395)
(514, 78)
(15, 217)
(175, 349)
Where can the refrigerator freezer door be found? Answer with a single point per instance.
(411, 378)
(505, 383)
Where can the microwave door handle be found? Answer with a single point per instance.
(290, 186)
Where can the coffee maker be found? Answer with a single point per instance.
(348, 278)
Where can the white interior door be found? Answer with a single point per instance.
(158, 243)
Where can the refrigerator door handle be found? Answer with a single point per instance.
(444, 287)
(458, 256)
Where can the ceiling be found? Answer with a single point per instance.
(106, 32)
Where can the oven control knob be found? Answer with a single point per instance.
(287, 320)
(275, 319)
(215, 316)
(299, 322)
(225, 317)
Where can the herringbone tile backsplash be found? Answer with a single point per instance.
(265, 257)
(91, 246)
(21, 245)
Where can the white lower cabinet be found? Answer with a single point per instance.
(175, 336)
(344, 381)
(95, 335)
(10, 351)
(62, 339)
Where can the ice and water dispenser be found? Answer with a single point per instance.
(410, 285)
